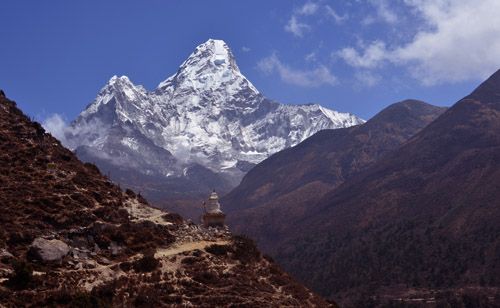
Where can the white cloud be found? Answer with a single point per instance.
(460, 41)
(304, 78)
(296, 27)
(366, 79)
(333, 14)
(309, 8)
(384, 12)
(245, 49)
(87, 132)
(463, 42)
(57, 127)
(371, 57)
(310, 57)
(299, 28)
(368, 20)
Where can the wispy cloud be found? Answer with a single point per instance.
(316, 77)
(56, 125)
(366, 79)
(384, 11)
(310, 57)
(245, 49)
(87, 132)
(296, 27)
(333, 14)
(309, 8)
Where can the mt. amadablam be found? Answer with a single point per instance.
(202, 128)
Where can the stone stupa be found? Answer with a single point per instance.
(213, 216)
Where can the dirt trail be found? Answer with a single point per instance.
(186, 247)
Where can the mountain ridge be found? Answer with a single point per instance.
(207, 116)
(426, 216)
(285, 187)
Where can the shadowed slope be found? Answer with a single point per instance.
(283, 188)
(425, 216)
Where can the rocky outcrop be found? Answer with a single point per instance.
(48, 250)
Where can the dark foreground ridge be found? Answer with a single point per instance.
(70, 237)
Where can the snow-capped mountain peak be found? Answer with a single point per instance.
(210, 67)
(207, 114)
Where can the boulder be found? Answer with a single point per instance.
(48, 250)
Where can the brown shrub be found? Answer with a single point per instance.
(129, 192)
(245, 249)
(218, 250)
(22, 276)
(148, 263)
(173, 218)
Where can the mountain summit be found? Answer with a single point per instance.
(210, 67)
(203, 127)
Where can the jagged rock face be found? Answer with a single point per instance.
(207, 116)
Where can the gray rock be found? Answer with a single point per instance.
(115, 248)
(48, 250)
(5, 255)
(104, 261)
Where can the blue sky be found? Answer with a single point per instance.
(354, 56)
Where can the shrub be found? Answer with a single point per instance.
(245, 249)
(189, 260)
(218, 250)
(51, 166)
(22, 277)
(173, 218)
(84, 300)
(148, 263)
(91, 167)
(65, 157)
(141, 199)
(129, 192)
(126, 266)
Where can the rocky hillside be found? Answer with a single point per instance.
(285, 187)
(423, 220)
(70, 237)
(202, 128)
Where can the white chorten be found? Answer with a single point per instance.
(213, 216)
(213, 205)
